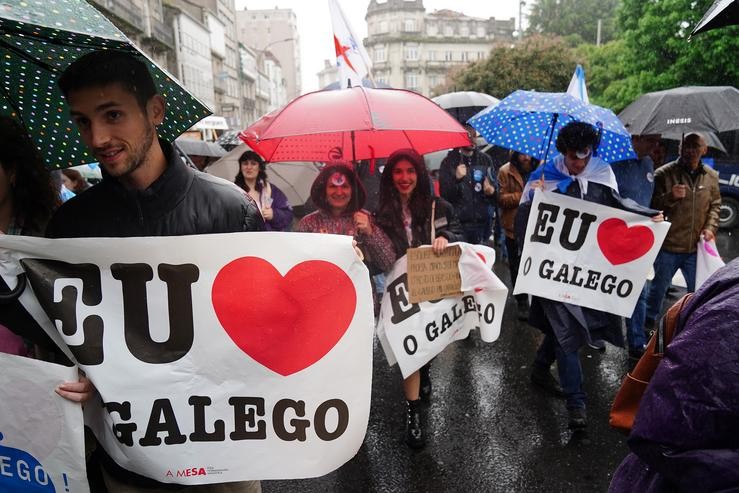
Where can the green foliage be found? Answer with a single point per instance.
(574, 17)
(653, 52)
(536, 63)
(650, 53)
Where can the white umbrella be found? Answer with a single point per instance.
(294, 178)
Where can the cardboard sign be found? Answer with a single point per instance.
(411, 334)
(587, 254)
(41, 436)
(431, 276)
(217, 357)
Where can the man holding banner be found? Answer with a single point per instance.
(565, 317)
(146, 190)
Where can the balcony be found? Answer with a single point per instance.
(219, 84)
(161, 33)
(122, 11)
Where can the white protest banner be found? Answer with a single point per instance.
(411, 334)
(587, 254)
(216, 357)
(41, 437)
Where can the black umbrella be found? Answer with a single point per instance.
(463, 105)
(682, 110)
(722, 13)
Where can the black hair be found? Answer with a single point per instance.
(318, 189)
(390, 210)
(261, 177)
(515, 156)
(577, 136)
(33, 194)
(105, 67)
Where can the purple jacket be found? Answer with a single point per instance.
(281, 210)
(686, 433)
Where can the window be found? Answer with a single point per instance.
(480, 55)
(448, 30)
(464, 56)
(380, 54)
(481, 31)
(464, 30)
(448, 56)
(409, 25)
(431, 55)
(383, 27)
(432, 29)
(411, 80)
(411, 53)
(433, 81)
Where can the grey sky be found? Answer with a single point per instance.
(314, 23)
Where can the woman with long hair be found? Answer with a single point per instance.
(252, 178)
(512, 177)
(339, 195)
(411, 216)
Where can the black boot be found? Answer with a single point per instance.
(415, 435)
(425, 391)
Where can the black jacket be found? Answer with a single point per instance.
(470, 205)
(182, 201)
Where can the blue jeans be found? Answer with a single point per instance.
(635, 325)
(568, 367)
(665, 266)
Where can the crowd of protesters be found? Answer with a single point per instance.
(147, 190)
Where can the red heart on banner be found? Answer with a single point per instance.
(621, 244)
(284, 323)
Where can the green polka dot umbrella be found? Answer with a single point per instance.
(38, 40)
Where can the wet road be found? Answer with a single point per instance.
(489, 429)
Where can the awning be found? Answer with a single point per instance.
(212, 122)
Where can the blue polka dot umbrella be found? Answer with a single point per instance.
(529, 122)
(38, 40)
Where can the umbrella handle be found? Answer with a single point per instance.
(15, 293)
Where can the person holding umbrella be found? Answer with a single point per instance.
(411, 217)
(578, 173)
(272, 203)
(146, 191)
(688, 192)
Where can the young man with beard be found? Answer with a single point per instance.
(146, 190)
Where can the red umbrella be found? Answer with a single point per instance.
(353, 124)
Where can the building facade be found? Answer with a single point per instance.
(192, 63)
(416, 50)
(143, 22)
(274, 30)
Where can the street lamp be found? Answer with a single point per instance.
(520, 17)
(260, 53)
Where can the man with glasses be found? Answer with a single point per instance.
(688, 193)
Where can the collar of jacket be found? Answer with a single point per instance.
(701, 169)
(166, 191)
